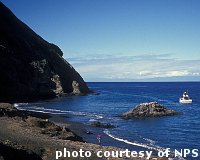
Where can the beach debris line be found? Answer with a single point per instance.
(152, 109)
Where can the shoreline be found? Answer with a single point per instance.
(78, 128)
(21, 134)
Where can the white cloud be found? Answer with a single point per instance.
(196, 74)
(145, 72)
(134, 67)
(177, 73)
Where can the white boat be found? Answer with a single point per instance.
(185, 98)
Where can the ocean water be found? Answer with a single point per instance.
(179, 132)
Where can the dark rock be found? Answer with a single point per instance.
(96, 124)
(30, 67)
(152, 109)
(9, 110)
(49, 128)
(65, 116)
(8, 152)
(44, 125)
(102, 125)
(86, 131)
(95, 93)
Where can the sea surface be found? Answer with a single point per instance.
(179, 132)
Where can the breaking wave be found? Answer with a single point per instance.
(151, 146)
(34, 108)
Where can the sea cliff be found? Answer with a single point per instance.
(31, 67)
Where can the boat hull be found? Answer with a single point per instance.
(185, 101)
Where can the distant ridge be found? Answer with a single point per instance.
(30, 67)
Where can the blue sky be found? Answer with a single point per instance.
(120, 40)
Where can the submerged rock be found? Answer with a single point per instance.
(102, 125)
(30, 67)
(86, 131)
(152, 109)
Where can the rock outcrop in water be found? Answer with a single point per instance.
(102, 125)
(152, 109)
(31, 67)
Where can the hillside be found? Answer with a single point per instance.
(31, 67)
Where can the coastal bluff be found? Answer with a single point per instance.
(152, 109)
(31, 67)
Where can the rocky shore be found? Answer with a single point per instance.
(25, 135)
(152, 109)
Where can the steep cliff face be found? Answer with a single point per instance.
(31, 67)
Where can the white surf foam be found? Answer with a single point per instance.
(56, 111)
(19, 104)
(128, 142)
(155, 148)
